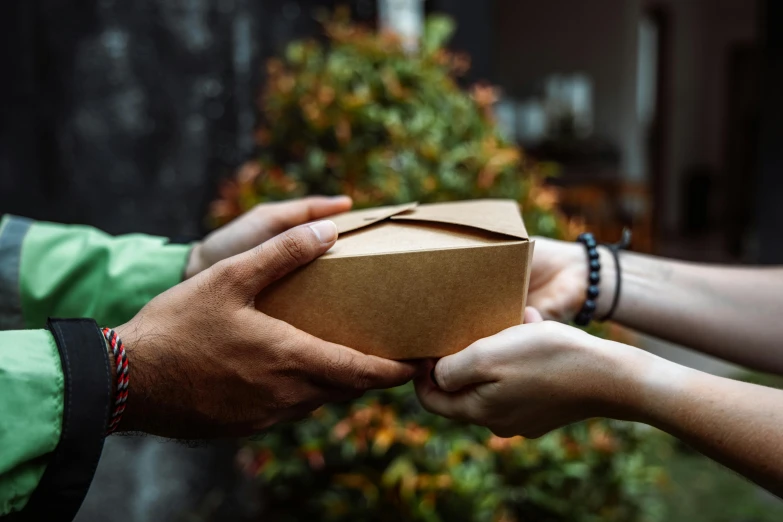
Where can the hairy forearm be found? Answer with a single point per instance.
(732, 313)
(737, 424)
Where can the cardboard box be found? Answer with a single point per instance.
(412, 281)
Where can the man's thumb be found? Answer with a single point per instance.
(259, 267)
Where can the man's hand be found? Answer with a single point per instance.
(263, 222)
(531, 379)
(558, 279)
(204, 362)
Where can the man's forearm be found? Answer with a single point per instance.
(732, 313)
(737, 424)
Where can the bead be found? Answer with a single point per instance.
(582, 319)
(585, 315)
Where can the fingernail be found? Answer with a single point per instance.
(342, 197)
(325, 231)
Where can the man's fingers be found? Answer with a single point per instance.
(257, 268)
(348, 369)
(283, 216)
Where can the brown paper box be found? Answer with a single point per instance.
(412, 281)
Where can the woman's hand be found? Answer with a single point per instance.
(260, 224)
(533, 378)
(558, 279)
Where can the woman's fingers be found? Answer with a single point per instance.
(532, 315)
(434, 400)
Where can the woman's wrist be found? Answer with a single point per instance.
(580, 270)
(608, 283)
(644, 386)
(195, 262)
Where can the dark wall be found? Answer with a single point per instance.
(770, 179)
(473, 35)
(123, 114)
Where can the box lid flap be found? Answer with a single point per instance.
(500, 216)
(361, 218)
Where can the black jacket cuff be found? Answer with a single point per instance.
(85, 363)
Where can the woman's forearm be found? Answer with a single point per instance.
(732, 313)
(737, 424)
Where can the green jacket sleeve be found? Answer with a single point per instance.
(55, 392)
(31, 409)
(55, 384)
(51, 270)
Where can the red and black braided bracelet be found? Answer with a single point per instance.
(121, 366)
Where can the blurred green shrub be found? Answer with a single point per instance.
(360, 116)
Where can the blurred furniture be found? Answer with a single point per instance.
(593, 189)
(582, 159)
(606, 207)
(739, 183)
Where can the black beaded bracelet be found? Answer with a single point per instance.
(585, 315)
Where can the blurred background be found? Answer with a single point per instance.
(664, 116)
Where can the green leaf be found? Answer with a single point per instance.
(437, 32)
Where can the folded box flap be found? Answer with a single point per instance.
(494, 215)
(361, 218)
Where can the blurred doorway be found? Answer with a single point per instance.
(743, 106)
(654, 103)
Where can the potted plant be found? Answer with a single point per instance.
(360, 115)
